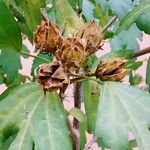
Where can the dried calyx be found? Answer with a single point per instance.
(112, 69)
(92, 34)
(48, 37)
(72, 53)
(52, 76)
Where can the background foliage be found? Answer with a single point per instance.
(29, 120)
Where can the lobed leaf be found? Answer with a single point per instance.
(131, 17)
(66, 17)
(90, 96)
(123, 109)
(143, 22)
(10, 63)
(41, 119)
(10, 35)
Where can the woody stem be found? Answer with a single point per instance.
(141, 52)
(77, 101)
(110, 23)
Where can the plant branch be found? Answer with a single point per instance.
(73, 135)
(81, 78)
(89, 145)
(44, 17)
(141, 52)
(77, 101)
(34, 56)
(109, 24)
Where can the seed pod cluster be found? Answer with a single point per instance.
(52, 76)
(71, 54)
(112, 69)
(92, 34)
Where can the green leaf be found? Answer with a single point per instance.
(132, 144)
(143, 22)
(47, 58)
(123, 109)
(134, 79)
(108, 34)
(131, 17)
(31, 9)
(1, 76)
(10, 36)
(83, 138)
(148, 74)
(51, 13)
(127, 40)
(40, 118)
(18, 80)
(91, 98)
(133, 64)
(66, 15)
(74, 3)
(80, 116)
(120, 7)
(25, 50)
(87, 9)
(103, 4)
(8, 142)
(92, 62)
(11, 63)
(127, 54)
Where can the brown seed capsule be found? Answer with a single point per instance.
(72, 53)
(52, 76)
(92, 34)
(48, 37)
(112, 69)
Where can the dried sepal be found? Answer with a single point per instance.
(112, 69)
(92, 34)
(48, 37)
(72, 53)
(52, 76)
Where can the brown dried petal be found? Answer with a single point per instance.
(118, 76)
(72, 53)
(92, 34)
(52, 76)
(112, 69)
(48, 37)
(50, 84)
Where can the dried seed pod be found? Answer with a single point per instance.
(52, 76)
(72, 53)
(48, 37)
(92, 34)
(112, 69)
